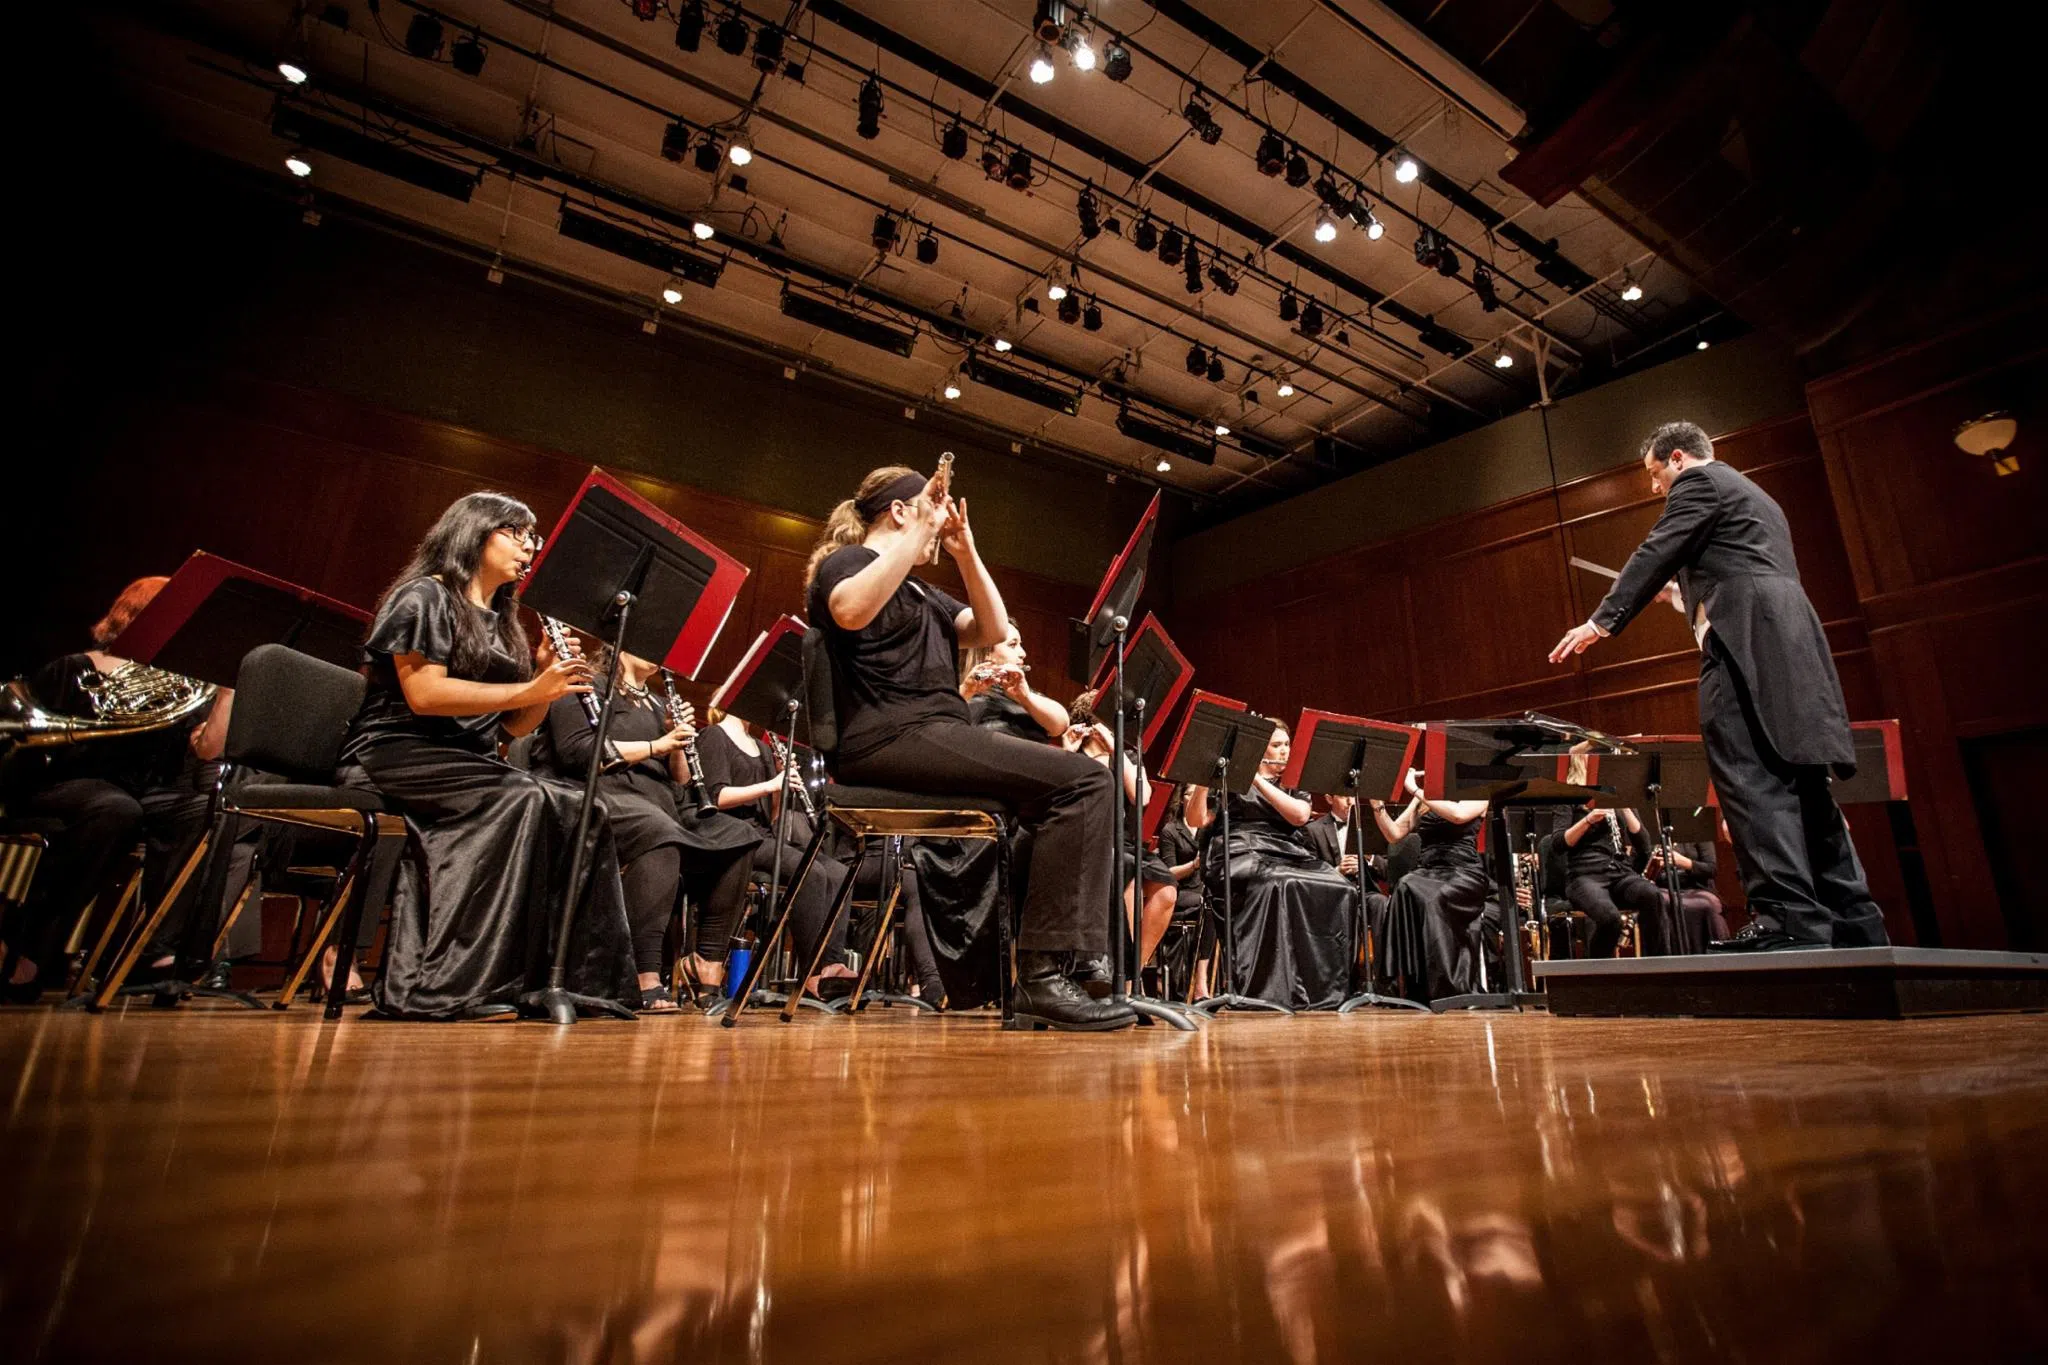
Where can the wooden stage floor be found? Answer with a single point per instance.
(213, 1183)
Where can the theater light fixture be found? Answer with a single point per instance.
(1215, 370)
(423, 36)
(1069, 310)
(298, 165)
(291, 72)
(467, 54)
(1082, 51)
(1116, 62)
(1482, 285)
(732, 32)
(1297, 169)
(952, 389)
(739, 154)
(928, 249)
(675, 141)
(1631, 291)
(1326, 227)
(1041, 67)
(1992, 435)
(869, 124)
(1272, 154)
(1312, 320)
(1170, 245)
(1145, 236)
(1290, 306)
(708, 154)
(953, 142)
(1198, 360)
(1165, 466)
(671, 293)
(1017, 171)
(768, 48)
(1003, 343)
(1286, 387)
(1222, 430)
(689, 24)
(1406, 169)
(702, 230)
(1504, 359)
(1056, 291)
(1091, 317)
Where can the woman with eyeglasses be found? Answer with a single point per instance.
(474, 913)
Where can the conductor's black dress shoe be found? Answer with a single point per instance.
(1757, 937)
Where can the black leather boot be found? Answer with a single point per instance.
(1048, 998)
(1091, 973)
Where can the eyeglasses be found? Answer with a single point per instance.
(525, 535)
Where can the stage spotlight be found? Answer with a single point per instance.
(1050, 20)
(1482, 285)
(1164, 466)
(702, 230)
(671, 293)
(1017, 173)
(928, 249)
(992, 160)
(1272, 154)
(645, 10)
(1145, 236)
(1700, 345)
(1219, 277)
(1312, 319)
(1326, 227)
(732, 32)
(1170, 247)
(1374, 228)
(1203, 120)
(1406, 169)
(1041, 67)
(297, 164)
(1089, 213)
(690, 25)
(768, 48)
(1228, 284)
(709, 154)
(1290, 307)
(1505, 360)
(423, 36)
(1003, 343)
(1631, 292)
(953, 142)
(1297, 170)
(1069, 310)
(1191, 262)
(1081, 49)
(295, 74)
(884, 232)
(1286, 389)
(467, 55)
(1447, 261)
(1222, 430)
(1116, 62)
(675, 141)
(870, 123)
(1198, 360)
(1055, 290)
(1091, 317)
(1215, 370)
(952, 389)
(739, 154)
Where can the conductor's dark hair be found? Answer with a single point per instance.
(1673, 437)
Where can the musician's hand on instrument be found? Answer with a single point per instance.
(675, 739)
(1013, 684)
(1348, 865)
(1596, 816)
(558, 679)
(955, 535)
(1576, 641)
(930, 522)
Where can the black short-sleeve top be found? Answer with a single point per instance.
(419, 618)
(1004, 714)
(900, 669)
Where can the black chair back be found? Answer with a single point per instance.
(292, 712)
(818, 704)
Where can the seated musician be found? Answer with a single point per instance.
(1603, 878)
(894, 642)
(1433, 944)
(150, 787)
(996, 682)
(1292, 923)
(747, 778)
(449, 670)
(1330, 835)
(1700, 918)
(663, 850)
(1178, 848)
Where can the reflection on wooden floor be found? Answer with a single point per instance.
(211, 1183)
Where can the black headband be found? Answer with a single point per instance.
(904, 489)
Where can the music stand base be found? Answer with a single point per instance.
(1366, 1000)
(1487, 1000)
(1148, 1009)
(561, 1006)
(1232, 1001)
(847, 1005)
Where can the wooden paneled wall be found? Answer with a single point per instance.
(1456, 619)
(332, 493)
(1949, 562)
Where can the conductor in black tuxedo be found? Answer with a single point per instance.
(1771, 710)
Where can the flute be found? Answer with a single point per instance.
(942, 477)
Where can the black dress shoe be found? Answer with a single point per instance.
(1757, 937)
(1091, 973)
(1048, 998)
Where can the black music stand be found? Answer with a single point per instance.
(620, 569)
(1336, 755)
(1666, 774)
(201, 624)
(1214, 733)
(766, 687)
(1508, 764)
(1098, 653)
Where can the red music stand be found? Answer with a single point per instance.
(1155, 673)
(619, 568)
(213, 611)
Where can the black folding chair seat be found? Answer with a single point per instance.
(291, 714)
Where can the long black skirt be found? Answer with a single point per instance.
(474, 913)
(1293, 922)
(1432, 940)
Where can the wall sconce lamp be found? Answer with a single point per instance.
(1992, 434)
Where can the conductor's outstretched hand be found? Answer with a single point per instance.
(1575, 641)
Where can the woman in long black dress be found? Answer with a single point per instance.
(748, 782)
(474, 913)
(1433, 942)
(894, 642)
(1292, 922)
(663, 850)
(1179, 849)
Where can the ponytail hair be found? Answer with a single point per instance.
(846, 526)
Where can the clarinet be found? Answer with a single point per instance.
(698, 794)
(792, 778)
(558, 637)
